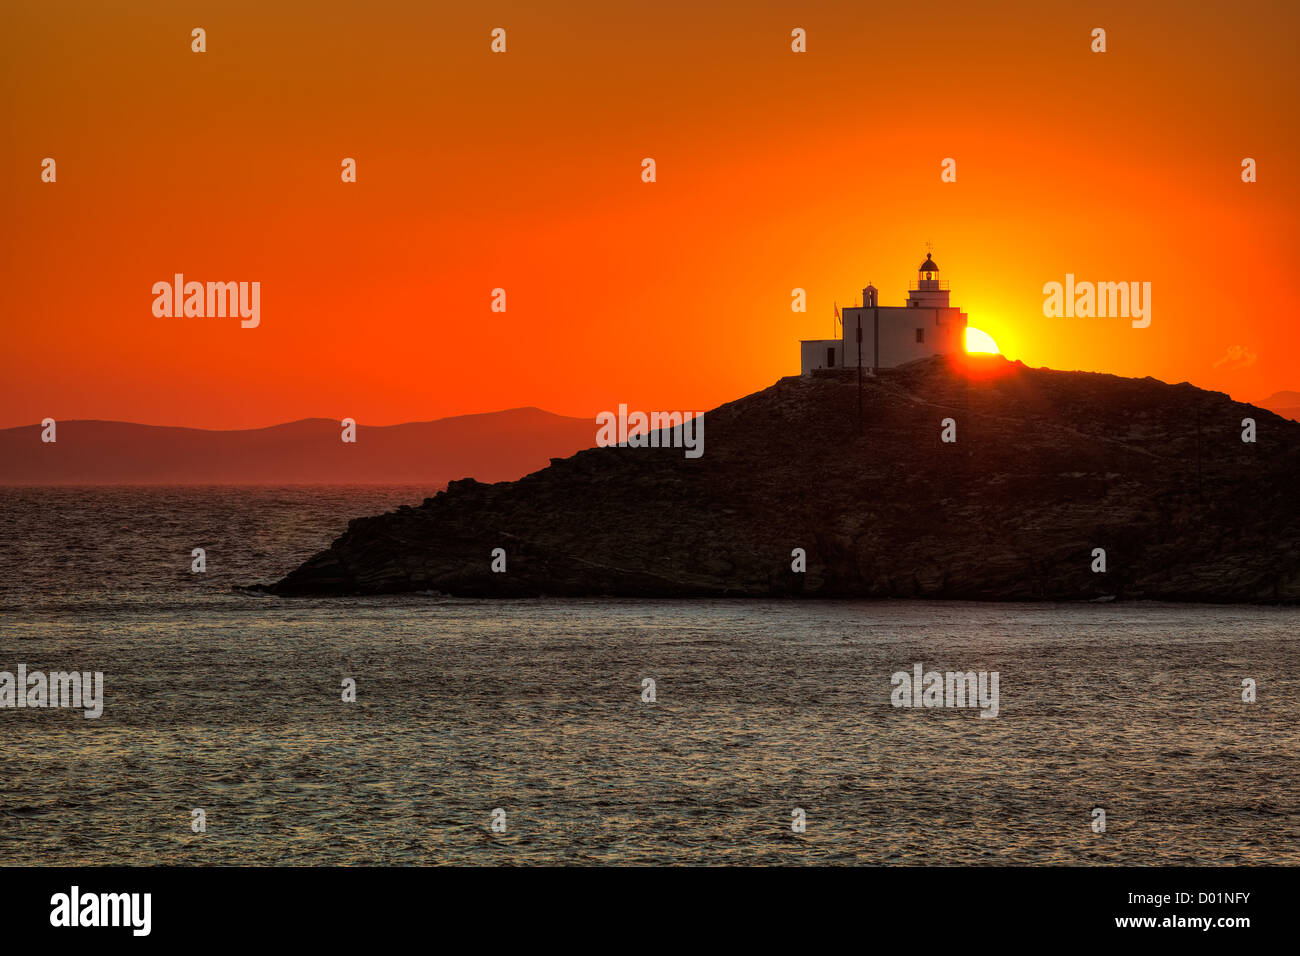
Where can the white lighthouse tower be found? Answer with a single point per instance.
(892, 335)
(929, 292)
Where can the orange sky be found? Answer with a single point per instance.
(522, 170)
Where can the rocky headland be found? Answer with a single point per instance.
(1047, 466)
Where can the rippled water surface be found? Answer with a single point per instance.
(231, 703)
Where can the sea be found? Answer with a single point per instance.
(602, 731)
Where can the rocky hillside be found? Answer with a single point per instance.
(1047, 466)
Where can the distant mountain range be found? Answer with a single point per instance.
(496, 446)
(1286, 404)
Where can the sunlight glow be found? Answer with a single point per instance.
(977, 341)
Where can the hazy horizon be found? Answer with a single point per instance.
(1286, 399)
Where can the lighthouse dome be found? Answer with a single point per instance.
(929, 265)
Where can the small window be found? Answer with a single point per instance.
(920, 336)
(830, 358)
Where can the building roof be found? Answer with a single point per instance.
(929, 265)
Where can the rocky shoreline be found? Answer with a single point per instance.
(1047, 466)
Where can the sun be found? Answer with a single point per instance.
(977, 341)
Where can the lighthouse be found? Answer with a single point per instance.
(928, 292)
(927, 324)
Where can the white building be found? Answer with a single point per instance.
(892, 335)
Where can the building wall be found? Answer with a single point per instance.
(944, 328)
(944, 333)
(812, 354)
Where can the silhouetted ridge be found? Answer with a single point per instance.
(1047, 466)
